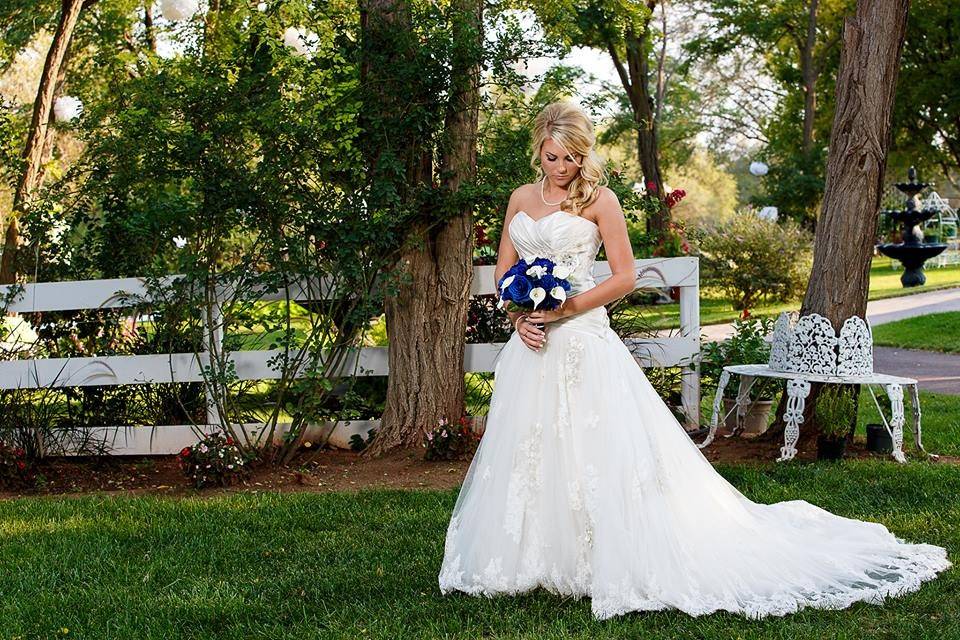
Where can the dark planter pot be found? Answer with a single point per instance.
(878, 440)
(830, 449)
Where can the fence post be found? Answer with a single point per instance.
(690, 328)
(215, 330)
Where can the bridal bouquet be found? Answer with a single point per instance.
(532, 283)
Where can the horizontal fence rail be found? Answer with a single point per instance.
(669, 351)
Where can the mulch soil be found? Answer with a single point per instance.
(332, 469)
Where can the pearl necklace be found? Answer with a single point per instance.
(542, 197)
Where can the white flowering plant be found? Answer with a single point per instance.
(214, 461)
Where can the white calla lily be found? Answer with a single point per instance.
(538, 295)
(561, 271)
(506, 282)
(559, 293)
(537, 271)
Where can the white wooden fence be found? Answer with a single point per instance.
(253, 365)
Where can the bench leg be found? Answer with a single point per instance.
(917, 435)
(717, 401)
(895, 393)
(797, 392)
(743, 402)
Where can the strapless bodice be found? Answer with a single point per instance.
(562, 237)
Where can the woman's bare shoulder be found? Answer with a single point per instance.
(605, 204)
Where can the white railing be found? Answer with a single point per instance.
(254, 365)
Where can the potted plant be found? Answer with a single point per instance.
(834, 413)
(747, 345)
(879, 439)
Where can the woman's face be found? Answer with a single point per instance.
(557, 164)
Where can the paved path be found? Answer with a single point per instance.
(935, 371)
(878, 311)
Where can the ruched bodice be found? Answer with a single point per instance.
(563, 237)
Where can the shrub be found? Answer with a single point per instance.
(215, 460)
(753, 260)
(747, 345)
(834, 412)
(16, 470)
(451, 442)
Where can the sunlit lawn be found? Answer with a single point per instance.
(365, 565)
(716, 309)
(935, 332)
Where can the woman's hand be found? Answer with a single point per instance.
(531, 335)
(549, 315)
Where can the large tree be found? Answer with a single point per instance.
(627, 32)
(797, 42)
(843, 247)
(427, 315)
(926, 121)
(37, 145)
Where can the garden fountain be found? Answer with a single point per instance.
(912, 252)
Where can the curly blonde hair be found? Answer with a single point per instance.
(571, 128)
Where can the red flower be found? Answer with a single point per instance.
(482, 239)
(21, 465)
(651, 186)
(229, 440)
(184, 452)
(19, 452)
(745, 314)
(675, 196)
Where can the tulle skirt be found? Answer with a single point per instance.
(585, 484)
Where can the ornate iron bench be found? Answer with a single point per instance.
(808, 350)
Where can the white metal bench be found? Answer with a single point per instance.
(808, 350)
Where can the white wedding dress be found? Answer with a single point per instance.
(585, 484)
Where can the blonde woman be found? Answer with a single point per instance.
(584, 482)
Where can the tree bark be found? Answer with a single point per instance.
(426, 320)
(843, 246)
(33, 153)
(635, 78)
(810, 72)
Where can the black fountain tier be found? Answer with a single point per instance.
(913, 251)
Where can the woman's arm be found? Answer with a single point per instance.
(507, 255)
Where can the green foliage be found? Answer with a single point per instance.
(834, 411)
(752, 260)
(747, 345)
(711, 190)
(774, 31)
(926, 116)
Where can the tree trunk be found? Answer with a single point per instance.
(426, 320)
(644, 113)
(33, 152)
(635, 78)
(843, 246)
(810, 72)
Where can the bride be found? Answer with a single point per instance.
(585, 484)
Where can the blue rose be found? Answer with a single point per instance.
(548, 282)
(519, 290)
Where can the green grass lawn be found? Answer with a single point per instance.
(934, 332)
(716, 309)
(341, 565)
